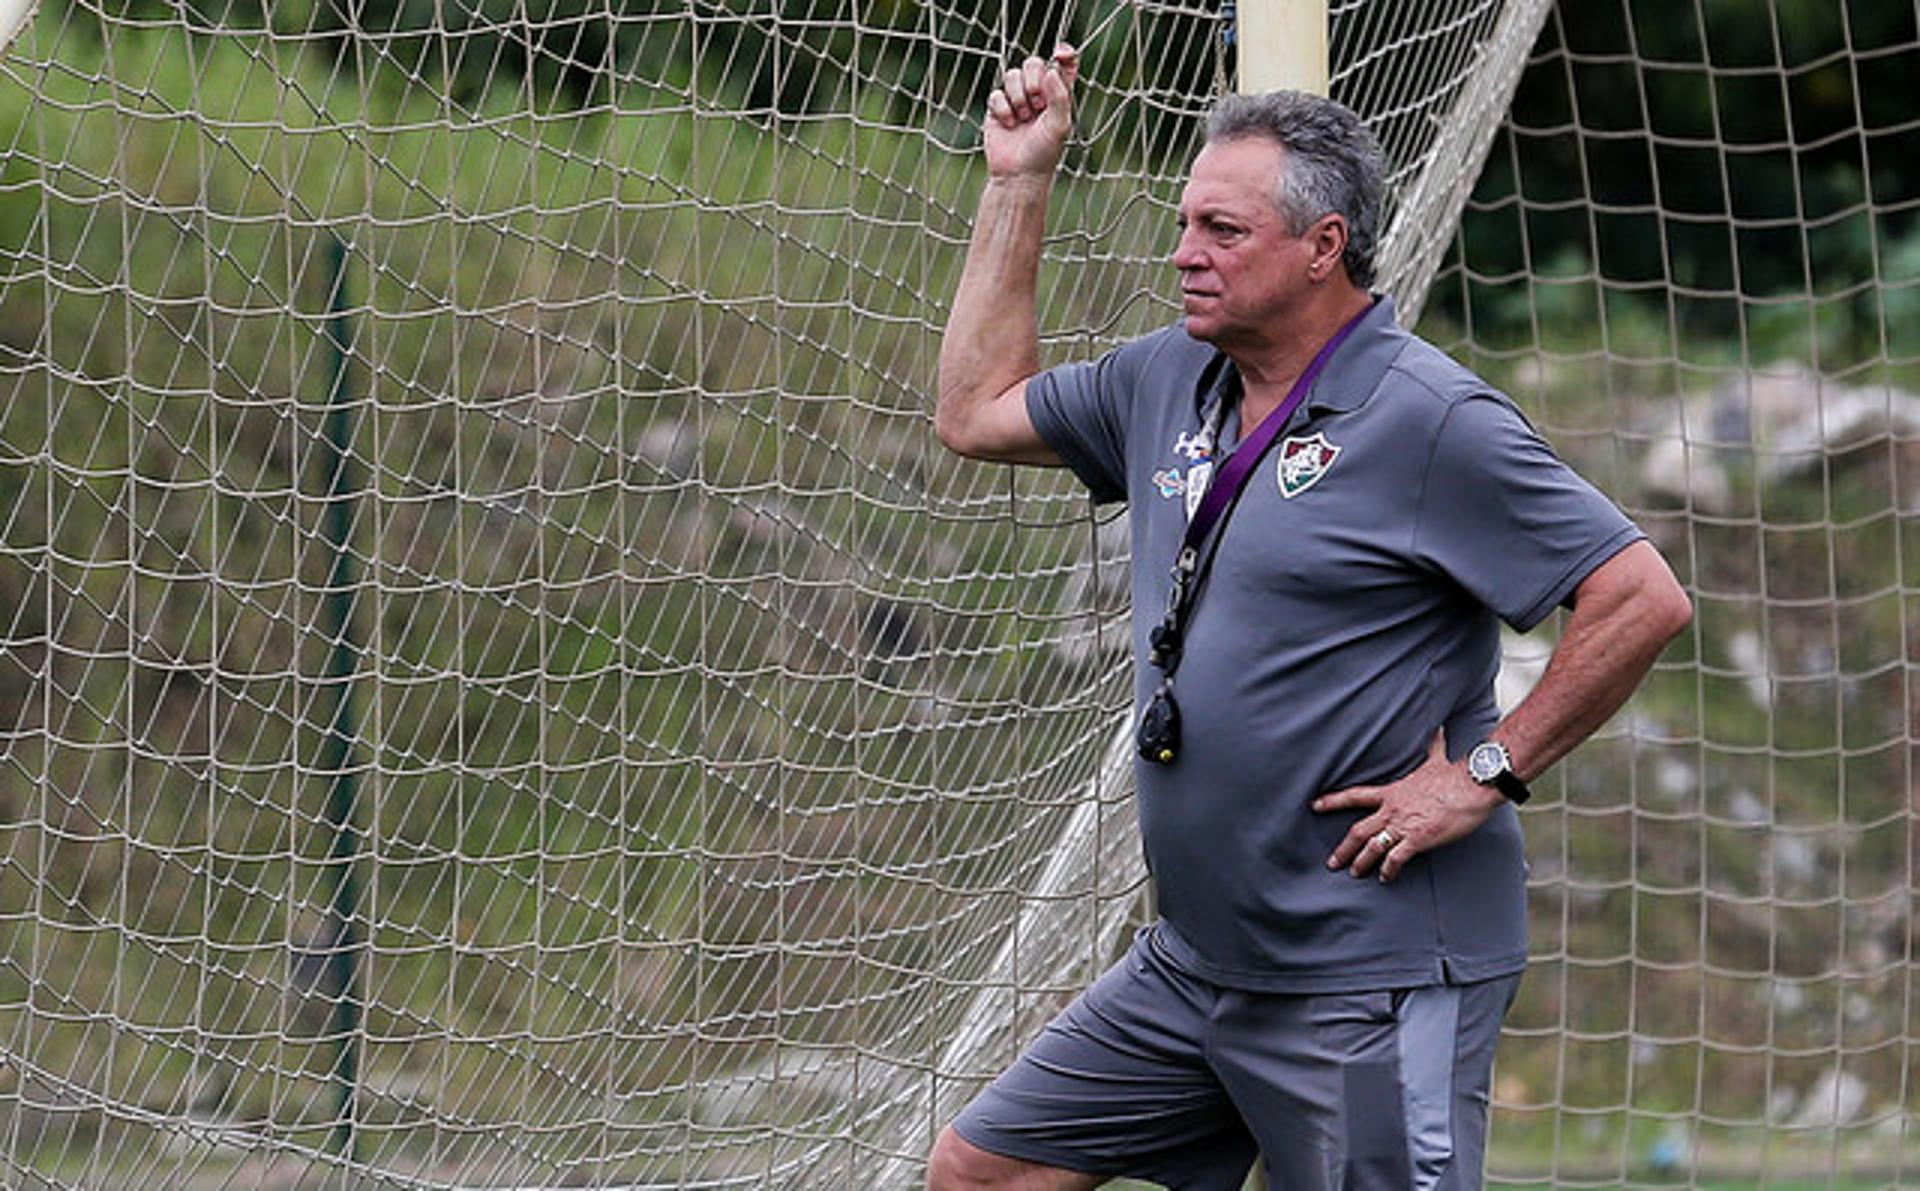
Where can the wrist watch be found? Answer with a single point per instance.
(1491, 765)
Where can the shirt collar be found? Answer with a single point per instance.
(1350, 376)
(1354, 371)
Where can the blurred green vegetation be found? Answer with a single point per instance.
(672, 625)
(1748, 200)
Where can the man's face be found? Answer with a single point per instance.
(1240, 269)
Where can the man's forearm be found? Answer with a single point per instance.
(992, 340)
(1623, 615)
(1622, 618)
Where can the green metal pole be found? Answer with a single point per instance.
(343, 935)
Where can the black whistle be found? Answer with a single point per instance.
(1157, 739)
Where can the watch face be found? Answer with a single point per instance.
(1487, 761)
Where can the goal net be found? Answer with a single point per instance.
(499, 686)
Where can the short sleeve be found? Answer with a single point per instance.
(1507, 519)
(1081, 411)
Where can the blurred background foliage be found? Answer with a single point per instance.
(1643, 143)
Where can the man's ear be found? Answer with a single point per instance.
(1328, 240)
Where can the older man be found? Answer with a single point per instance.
(1336, 517)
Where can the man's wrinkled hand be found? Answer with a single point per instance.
(1030, 115)
(1430, 807)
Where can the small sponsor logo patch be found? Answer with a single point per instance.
(1197, 445)
(1303, 461)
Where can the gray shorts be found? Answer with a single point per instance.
(1158, 1075)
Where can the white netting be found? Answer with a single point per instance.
(1695, 255)
(500, 686)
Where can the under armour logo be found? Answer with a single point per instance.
(1197, 445)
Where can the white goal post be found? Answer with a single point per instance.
(500, 687)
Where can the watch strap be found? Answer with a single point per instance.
(1508, 783)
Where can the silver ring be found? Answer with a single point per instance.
(1383, 839)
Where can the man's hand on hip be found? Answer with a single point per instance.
(1434, 805)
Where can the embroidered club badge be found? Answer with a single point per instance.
(1303, 461)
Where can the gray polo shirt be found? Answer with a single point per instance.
(1349, 614)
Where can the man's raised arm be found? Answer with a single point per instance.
(992, 341)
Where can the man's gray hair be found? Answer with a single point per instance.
(1334, 165)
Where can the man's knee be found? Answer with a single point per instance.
(956, 1164)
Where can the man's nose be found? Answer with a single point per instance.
(1186, 253)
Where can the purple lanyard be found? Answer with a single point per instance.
(1165, 639)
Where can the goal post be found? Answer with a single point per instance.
(1281, 44)
(737, 778)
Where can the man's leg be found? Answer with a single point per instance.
(1118, 1084)
(1379, 1091)
(959, 1165)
